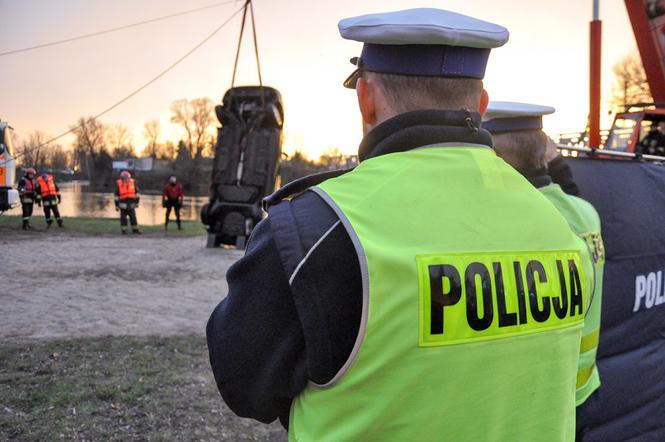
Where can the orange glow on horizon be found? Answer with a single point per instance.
(545, 62)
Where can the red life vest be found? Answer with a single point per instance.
(126, 191)
(47, 186)
(29, 185)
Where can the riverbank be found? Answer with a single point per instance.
(58, 284)
(102, 336)
(121, 388)
(79, 201)
(11, 224)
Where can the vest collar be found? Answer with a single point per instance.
(423, 128)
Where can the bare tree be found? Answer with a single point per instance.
(119, 141)
(182, 115)
(196, 117)
(630, 83)
(90, 143)
(168, 151)
(58, 158)
(151, 131)
(203, 118)
(32, 151)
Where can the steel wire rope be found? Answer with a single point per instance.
(118, 28)
(133, 93)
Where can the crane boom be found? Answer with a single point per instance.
(648, 20)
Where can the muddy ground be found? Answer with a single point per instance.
(102, 338)
(57, 285)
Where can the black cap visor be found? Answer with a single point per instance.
(352, 79)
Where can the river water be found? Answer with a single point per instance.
(77, 201)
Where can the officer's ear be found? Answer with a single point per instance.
(484, 102)
(366, 100)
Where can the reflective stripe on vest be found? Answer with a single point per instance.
(474, 291)
(126, 191)
(47, 187)
(585, 222)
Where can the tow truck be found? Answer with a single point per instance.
(8, 195)
(632, 127)
(638, 130)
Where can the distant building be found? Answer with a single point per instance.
(339, 162)
(135, 164)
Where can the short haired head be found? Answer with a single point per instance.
(419, 59)
(172, 179)
(517, 133)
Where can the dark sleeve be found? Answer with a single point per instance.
(255, 341)
(562, 175)
(327, 288)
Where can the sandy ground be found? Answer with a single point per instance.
(62, 285)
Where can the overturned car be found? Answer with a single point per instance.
(246, 163)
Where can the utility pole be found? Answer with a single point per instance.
(595, 79)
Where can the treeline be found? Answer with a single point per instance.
(297, 165)
(97, 144)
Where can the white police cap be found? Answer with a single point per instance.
(422, 42)
(508, 116)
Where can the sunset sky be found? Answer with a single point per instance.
(302, 55)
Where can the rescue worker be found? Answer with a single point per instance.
(27, 192)
(127, 198)
(48, 195)
(390, 302)
(172, 198)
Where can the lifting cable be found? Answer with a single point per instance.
(133, 93)
(118, 28)
(248, 5)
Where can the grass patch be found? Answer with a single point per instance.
(116, 388)
(101, 226)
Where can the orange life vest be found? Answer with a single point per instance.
(47, 186)
(126, 191)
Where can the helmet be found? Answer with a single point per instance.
(30, 170)
(125, 174)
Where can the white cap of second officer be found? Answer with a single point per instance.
(422, 42)
(509, 116)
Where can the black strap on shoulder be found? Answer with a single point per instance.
(287, 237)
(300, 185)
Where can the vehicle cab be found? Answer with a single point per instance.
(8, 195)
(640, 129)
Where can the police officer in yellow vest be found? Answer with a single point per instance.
(516, 129)
(429, 294)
